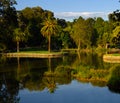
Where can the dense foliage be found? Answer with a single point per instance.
(27, 28)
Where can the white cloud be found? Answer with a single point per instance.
(74, 15)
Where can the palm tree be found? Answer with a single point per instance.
(18, 37)
(49, 28)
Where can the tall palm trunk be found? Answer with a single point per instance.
(18, 46)
(49, 43)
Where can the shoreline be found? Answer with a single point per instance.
(111, 58)
(33, 55)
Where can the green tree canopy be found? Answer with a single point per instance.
(80, 32)
(115, 38)
(19, 36)
(8, 21)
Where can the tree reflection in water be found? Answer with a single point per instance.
(41, 74)
(9, 89)
(114, 81)
(37, 78)
(50, 83)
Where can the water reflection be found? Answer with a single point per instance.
(114, 81)
(8, 92)
(17, 74)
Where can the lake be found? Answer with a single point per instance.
(83, 78)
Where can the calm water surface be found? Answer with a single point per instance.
(30, 80)
(75, 92)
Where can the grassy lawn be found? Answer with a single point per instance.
(114, 54)
(38, 52)
(42, 52)
(35, 54)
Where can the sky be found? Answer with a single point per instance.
(72, 9)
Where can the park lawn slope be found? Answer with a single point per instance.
(111, 58)
(34, 54)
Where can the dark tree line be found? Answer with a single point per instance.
(34, 27)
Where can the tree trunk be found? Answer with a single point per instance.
(49, 43)
(18, 46)
(79, 46)
(106, 48)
